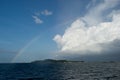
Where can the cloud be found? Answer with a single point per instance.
(37, 20)
(92, 33)
(96, 14)
(110, 52)
(92, 3)
(46, 13)
(38, 14)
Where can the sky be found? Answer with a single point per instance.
(59, 29)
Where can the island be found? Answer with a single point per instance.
(54, 61)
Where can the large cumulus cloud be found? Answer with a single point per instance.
(93, 33)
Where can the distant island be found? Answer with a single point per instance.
(65, 61)
(52, 60)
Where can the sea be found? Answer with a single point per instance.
(60, 71)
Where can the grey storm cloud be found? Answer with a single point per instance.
(111, 52)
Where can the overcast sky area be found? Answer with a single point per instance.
(59, 29)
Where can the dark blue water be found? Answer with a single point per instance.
(61, 71)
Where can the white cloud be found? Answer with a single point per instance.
(38, 14)
(37, 20)
(46, 12)
(79, 37)
(95, 14)
(92, 3)
(113, 13)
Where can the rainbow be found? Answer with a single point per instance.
(24, 48)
